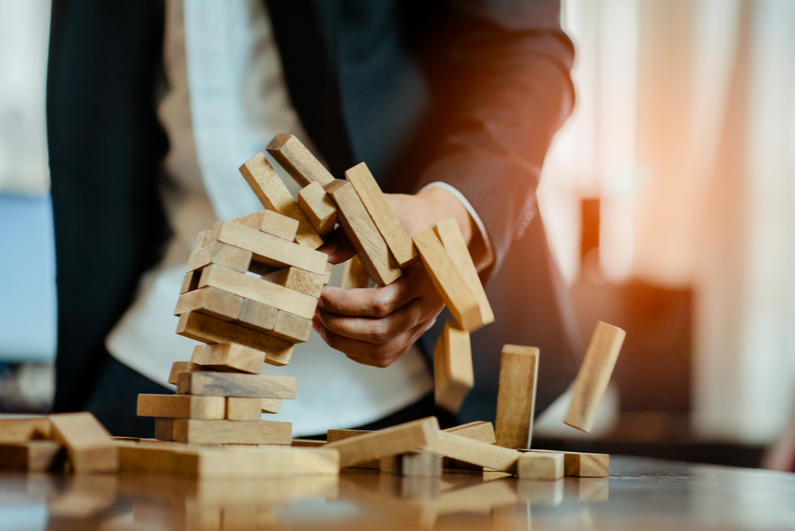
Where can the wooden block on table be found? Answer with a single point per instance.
(222, 254)
(594, 375)
(355, 275)
(228, 356)
(19, 428)
(298, 161)
(270, 405)
(339, 435)
(32, 456)
(243, 409)
(190, 281)
(396, 440)
(449, 282)
(261, 462)
(363, 234)
(452, 367)
(257, 316)
(273, 195)
(181, 366)
(383, 216)
(453, 241)
(164, 429)
(474, 452)
(516, 396)
(413, 465)
(318, 207)
(479, 430)
(292, 328)
(225, 432)
(298, 280)
(583, 465)
(181, 406)
(545, 466)
(210, 301)
(236, 384)
(88, 443)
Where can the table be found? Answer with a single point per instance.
(639, 494)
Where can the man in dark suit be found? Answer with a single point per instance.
(467, 93)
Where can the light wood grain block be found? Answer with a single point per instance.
(318, 207)
(273, 194)
(594, 375)
(307, 443)
(292, 328)
(278, 225)
(252, 221)
(540, 466)
(210, 301)
(236, 384)
(474, 452)
(449, 282)
(180, 366)
(181, 406)
(190, 281)
(583, 465)
(382, 215)
(363, 234)
(202, 239)
(229, 356)
(298, 161)
(261, 462)
(222, 254)
(243, 409)
(396, 440)
(23, 428)
(164, 429)
(327, 274)
(257, 316)
(516, 396)
(479, 430)
(270, 405)
(88, 443)
(450, 235)
(354, 276)
(150, 458)
(297, 280)
(339, 435)
(452, 366)
(226, 432)
(413, 465)
(32, 456)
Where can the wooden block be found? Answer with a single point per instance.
(222, 254)
(298, 161)
(225, 432)
(363, 234)
(278, 225)
(190, 281)
(453, 241)
(210, 330)
(307, 443)
(594, 375)
(273, 195)
(149, 458)
(396, 440)
(452, 365)
(479, 430)
(355, 275)
(516, 396)
(228, 356)
(413, 465)
(269, 249)
(448, 281)
(181, 406)
(243, 409)
(180, 366)
(583, 465)
(236, 384)
(318, 207)
(327, 274)
(546, 466)
(260, 462)
(20, 429)
(383, 216)
(257, 316)
(292, 328)
(202, 239)
(298, 280)
(210, 301)
(475, 452)
(164, 429)
(258, 290)
(32, 456)
(270, 405)
(87, 442)
(252, 221)
(339, 435)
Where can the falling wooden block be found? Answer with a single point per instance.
(243, 409)
(516, 396)
(32, 456)
(181, 406)
(164, 429)
(318, 207)
(298, 161)
(354, 275)
(396, 440)
(478, 430)
(235, 384)
(543, 466)
(583, 465)
(270, 405)
(413, 465)
(594, 375)
(474, 452)
(382, 215)
(273, 194)
(257, 316)
(452, 365)
(363, 234)
(222, 254)
(298, 280)
(190, 281)
(210, 301)
(339, 435)
(292, 328)
(228, 356)
(449, 282)
(88, 443)
(453, 241)
(181, 366)
(20, 429)
(232, 432)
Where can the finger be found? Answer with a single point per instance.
(337, 247)
(374, 355)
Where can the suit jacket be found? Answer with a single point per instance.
(469, 92)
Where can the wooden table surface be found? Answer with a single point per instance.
(639, 494)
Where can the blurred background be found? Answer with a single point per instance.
(667, 198)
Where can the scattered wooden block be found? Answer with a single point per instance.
(298, 280)
(355, 275)
(453, 241)
(452, 367)
(474, 452)
(270, 405)
(20, 429)
(413, 465)
(544, 466)
(448, 281)
(181, 406)
(164, 429)
(32, 456)
(181, 366)
(210, 301)
(318, 207)
(363, 234)
(222, 254)
(583, 465)
(243, 409)
(257, 316)
(189, 282)
(396, 440)
(478, 430)
(229, 356)
(382, 215)
(292, 328)
(226, 432)
(236, 384)
(339, 435)
(594, 375)
(273, 195)
(298, 161)
(87, 442)
(516, 396)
